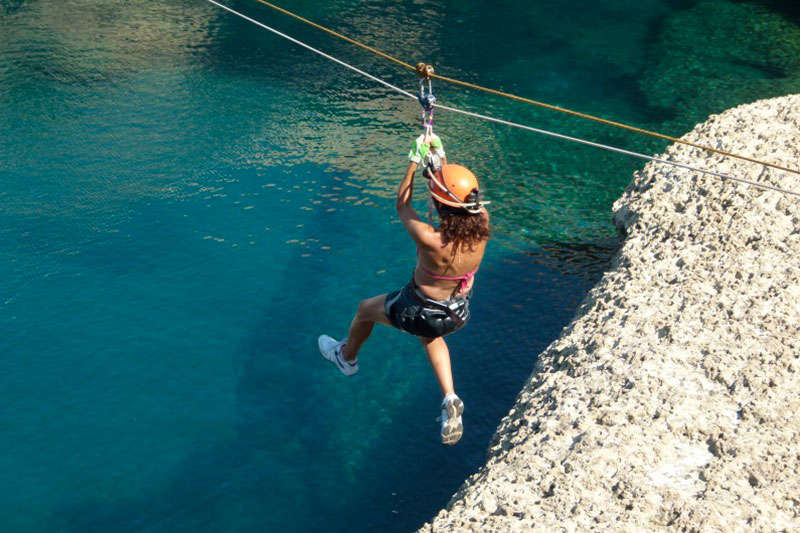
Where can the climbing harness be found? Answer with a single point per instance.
(428, 117)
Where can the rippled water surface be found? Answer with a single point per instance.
(187, 201)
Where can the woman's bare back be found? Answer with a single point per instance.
(441, 261)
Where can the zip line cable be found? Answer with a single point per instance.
(528, 100)
(505, 122)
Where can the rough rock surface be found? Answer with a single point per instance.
(671, 402)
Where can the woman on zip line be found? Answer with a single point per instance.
(435, 302)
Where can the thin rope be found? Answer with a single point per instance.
(506, 122)
(528, 100)
(613, 123)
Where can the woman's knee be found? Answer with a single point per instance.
(372, 310)
(363, 310)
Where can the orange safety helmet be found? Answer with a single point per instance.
(456, 186)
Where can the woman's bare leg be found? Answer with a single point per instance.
(370, 312)
(439, 357)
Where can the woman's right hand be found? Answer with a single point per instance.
(424, 144)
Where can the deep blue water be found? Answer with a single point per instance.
(187, 202)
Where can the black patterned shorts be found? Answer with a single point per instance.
(410, 310)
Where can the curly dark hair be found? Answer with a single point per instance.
(463, 229)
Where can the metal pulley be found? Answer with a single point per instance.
(426, 97)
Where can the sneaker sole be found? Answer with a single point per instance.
(453, 429)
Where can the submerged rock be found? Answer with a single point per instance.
(671, 401)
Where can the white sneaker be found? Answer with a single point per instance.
(452, 429)
(332, 351)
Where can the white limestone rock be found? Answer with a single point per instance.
(670, 402)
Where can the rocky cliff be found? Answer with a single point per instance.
(671, 402)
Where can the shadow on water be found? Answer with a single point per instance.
(585, 261)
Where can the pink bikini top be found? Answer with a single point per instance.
(464, 279)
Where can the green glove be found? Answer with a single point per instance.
(423, 146)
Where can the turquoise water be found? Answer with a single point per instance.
(186, 202)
